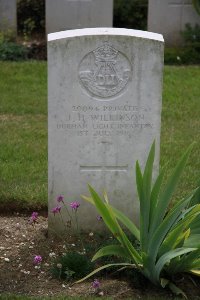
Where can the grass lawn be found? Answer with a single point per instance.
(23, 127)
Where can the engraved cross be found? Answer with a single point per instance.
(104, 167)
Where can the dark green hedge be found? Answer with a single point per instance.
(182, 56)
(31, 16)
(131, 14)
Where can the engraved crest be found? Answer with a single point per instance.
(104, 72)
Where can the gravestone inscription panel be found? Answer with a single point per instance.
(104, 102)
(73, 14)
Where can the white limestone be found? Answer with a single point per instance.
(8, 15)
(169, 18)
(72, 14)
(104, 102)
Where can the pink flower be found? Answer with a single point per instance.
(37, 259)
(56, 210)
(33, 217)
(75, 205)
(96, 284)
(99, 218)
(60, 198)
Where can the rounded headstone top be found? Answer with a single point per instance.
(105, 31)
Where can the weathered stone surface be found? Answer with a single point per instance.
(8, 15)
(169, 18)
(105, 87)
(73, 14)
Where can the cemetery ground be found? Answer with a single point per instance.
(23, 183)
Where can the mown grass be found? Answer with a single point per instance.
(181, 123)
(23, 128)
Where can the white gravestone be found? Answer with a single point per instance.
(104, 102)
(73, 14)
(169, 18)
(8, 15)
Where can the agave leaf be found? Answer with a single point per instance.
(195, 272)
(121, 217)
(173, 239)
(88, 199)
(176, 290)
(105, 196)
(127, 222)
(154, 194)
(188, 215)
(195, 225)
(164, 282)
(166, 194)
(111, 250)
(195, 265)
(177, 236)
(196, 197)
(145, 193)
(185, 263)
(139, 179)
(102, 268)
(167, 257)
(193, 241)
(124, 240)
(108, 216)
(164, 228)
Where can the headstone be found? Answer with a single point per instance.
(169, 18)
(73, 14)
(8, 15)
(104, 102)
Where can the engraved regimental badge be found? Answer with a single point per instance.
(104, 72)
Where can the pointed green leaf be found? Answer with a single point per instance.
(145, 198)
(186, 262)
(165, 196)
(108, 216)
(88, 199)
(127, 222)
(102, 268)
(177, 236)
(196, 197)
(176, 290)
(139, 179)
(111, 250)
(124, 240)
(195, 272)
(193, 241)
(154, 195)
(168, 256)
(162, 230)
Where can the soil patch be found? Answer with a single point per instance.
(21, 241)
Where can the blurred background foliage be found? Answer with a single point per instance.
(31, 40)
(131, 14)
(128, 14)
(31, 16)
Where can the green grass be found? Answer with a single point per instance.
(181, 123)
(23, 128)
